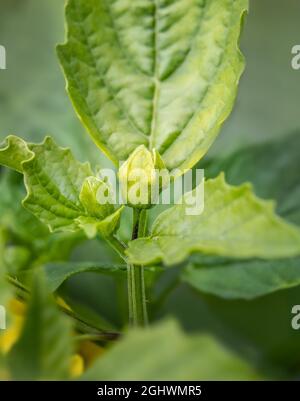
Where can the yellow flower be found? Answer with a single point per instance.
(87, 352)
(9, 336)
(17, 307)
(90, 351)
(76, 366)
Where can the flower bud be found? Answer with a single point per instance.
(96, 196)
(142, 177)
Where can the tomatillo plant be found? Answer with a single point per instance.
(152, 82)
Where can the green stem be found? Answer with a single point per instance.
(117, 245)
(136, 283)
(142, 230)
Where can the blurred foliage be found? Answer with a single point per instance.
(244, 279)
(259, 330)
(44, 347)
(164, 352)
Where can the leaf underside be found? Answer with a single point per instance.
(235, 223)
(160, 73)
(58, 273)
(244, 279)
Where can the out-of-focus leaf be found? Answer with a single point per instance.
(54, 180)
(22, 225)
(273, 169)
(164, 352)
(244, 279)
(234, 223)
(162, 74)
(89, 321)
(258, 329)
(16, 258)
(58, 273)
(44, 348)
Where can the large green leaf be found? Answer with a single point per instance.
(235, 223)
(159, 73)
(58, 186)
(58, 273)
(273, 169)
(164, 352)
(259, 329)
(44, 348)
(243, 279)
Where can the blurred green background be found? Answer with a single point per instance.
(33, 102)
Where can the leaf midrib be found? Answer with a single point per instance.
(101, 77)
(156, 75)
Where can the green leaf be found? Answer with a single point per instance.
(58, 273)
(259, 329)
(234, 223)
(53, 179)
(164, 352)
(273, 169)
(18, 148)
(16, 258)
(243, 279)
(44, 348)
(163, 74)
(57, 184)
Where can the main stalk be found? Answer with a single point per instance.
(136, 282)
